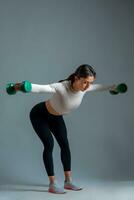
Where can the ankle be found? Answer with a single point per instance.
(68, 179)
(52, 179)
(53, 182)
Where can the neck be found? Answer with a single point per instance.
(72, 87)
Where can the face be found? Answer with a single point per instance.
(82, 83)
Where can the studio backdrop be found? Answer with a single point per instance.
(44, 42)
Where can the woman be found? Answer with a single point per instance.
(47, 119)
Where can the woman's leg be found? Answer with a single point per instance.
(59, 130)
(41, 127)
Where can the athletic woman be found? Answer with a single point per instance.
(47, 119)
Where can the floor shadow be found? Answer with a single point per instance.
(25, 188)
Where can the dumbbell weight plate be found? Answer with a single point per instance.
(26, 86)
(122, 88)
(10, 88)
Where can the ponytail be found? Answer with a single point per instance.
(71, 77)
(82, 71)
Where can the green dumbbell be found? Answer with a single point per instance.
(25, 86)
(121, 88)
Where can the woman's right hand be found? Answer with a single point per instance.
(17, 86)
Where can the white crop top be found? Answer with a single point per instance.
(64, 100)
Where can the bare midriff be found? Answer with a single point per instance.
(50, 108)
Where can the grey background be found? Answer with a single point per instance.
(44, 41)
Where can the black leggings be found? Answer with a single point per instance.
(45, 123)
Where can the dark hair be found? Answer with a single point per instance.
(82, 71)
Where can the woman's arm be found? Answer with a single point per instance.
(27, 86)
(100, 87)
(43, 88)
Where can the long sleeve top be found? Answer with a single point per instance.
(63, 99)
